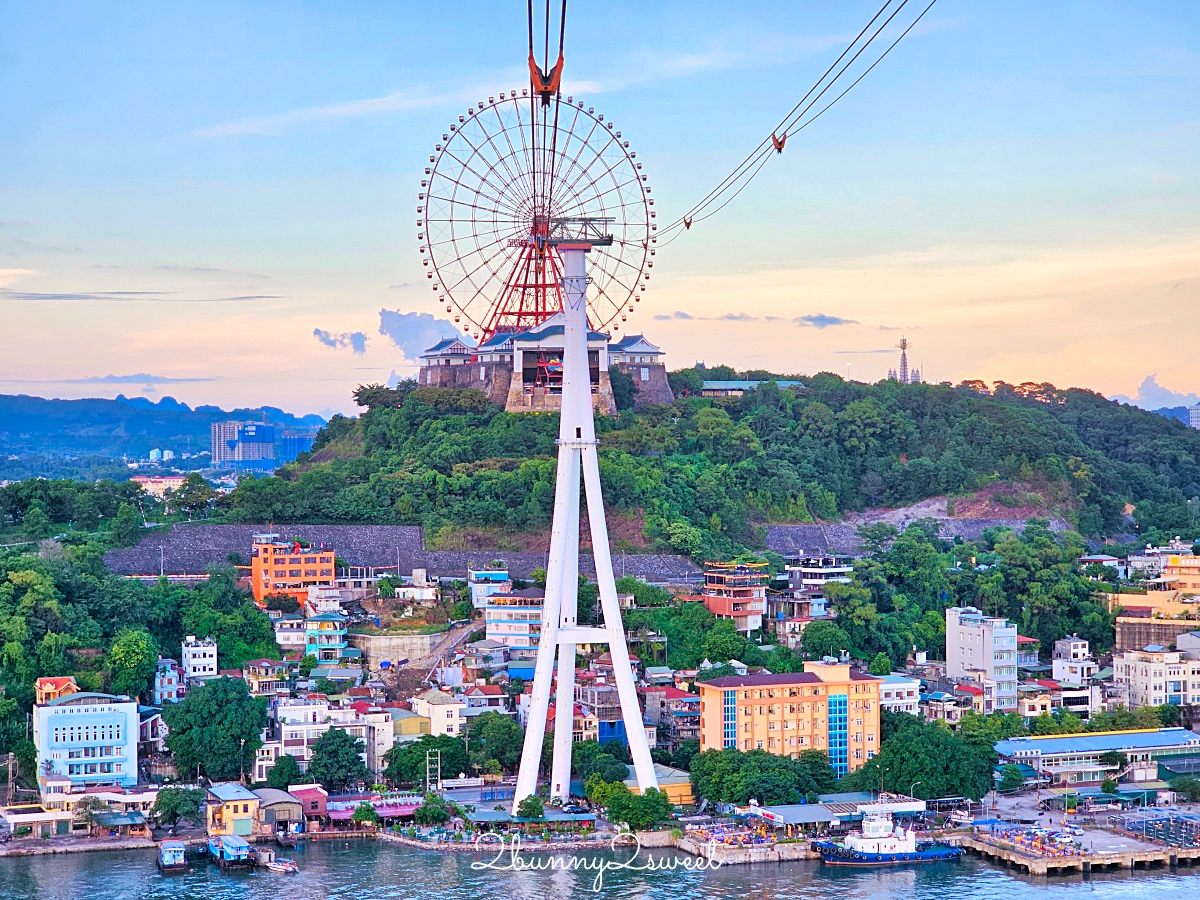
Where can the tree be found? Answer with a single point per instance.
(174, 803)
(127, 526)
(946, 764)
(216, 728)
(284, 773)
(284, 603)
(336, 761)
(307, 665)
(640, 811)
(724, 642)
(132, 660)
(88, 808)
(1114, 758)
(433, 811)
(36, 523)
(365, 814)
(822, 638)
(531, 807)
(499, 737)
(623, 387)
(405, 763)
(1188, 787)
(192, 497)
(1011, 779)
(387, 590)
(682, 758)
(881, 664)
(462, 609)
(1109, 785)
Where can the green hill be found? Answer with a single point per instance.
(702, 476)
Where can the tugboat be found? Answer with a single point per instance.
(881, 844)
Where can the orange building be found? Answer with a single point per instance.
(287, 568)
(826, 707)
(737, 591)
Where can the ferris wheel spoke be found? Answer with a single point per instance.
(616, 187)
(500, 158)
(583, 173)
(482, 178)
(501, 250)
(464, 203)
(582, 146)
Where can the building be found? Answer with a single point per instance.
(232, 809)
(288, 568)
(900, 693)
(738, 592)
(169, 683)
(278, 811)
(485, 698)
(315, 800)
(983, 649)
(243, 446)
(158, 485)
(199, 658)
(1074, 759)
(676, 710)
(290, 444)
(1194, 416)
(1181, 572)
(265, 677)
(1157, 676)
(90, 738)
(1072, 662)
(407, 725)
(444, 711)
(515, 618)
(584, 724)
(642, 361)
(826, 707)
(734, 388)
(290, 633)
(483, 583)
(297, 723)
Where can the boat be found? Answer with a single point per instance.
(880, 843)
(285, 839)
(230, 851)
(283, 866)
(171, 857)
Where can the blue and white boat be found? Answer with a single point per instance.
(230, 851)
(880, 843)
(171, 857)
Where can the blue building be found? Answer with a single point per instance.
(90, 738)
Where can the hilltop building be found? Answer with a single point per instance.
(983, 649)
(288, 568)
(738, 592)
(158, 485)
(199, 659)
(523, 370)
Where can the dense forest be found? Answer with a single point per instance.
(704, 475)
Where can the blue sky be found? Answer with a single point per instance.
(225, 192)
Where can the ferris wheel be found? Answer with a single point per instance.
(497, 182)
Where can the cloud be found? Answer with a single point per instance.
(1152, 395)
(141, 378)
(854, 352)
(820, 320)
(399, 287)
(678, 314)
(128, 297)
(412, 332)
(355, 340)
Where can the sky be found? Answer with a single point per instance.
(216, 201)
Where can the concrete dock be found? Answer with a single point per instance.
(1151, 856)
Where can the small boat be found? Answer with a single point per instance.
(171, 857)
(285, 839)
(879, 843)
(283, 866)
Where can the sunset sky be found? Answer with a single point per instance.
(216, 201)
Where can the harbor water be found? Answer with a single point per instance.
(380, 871)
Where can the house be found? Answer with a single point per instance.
(675, 783)
(290, 633)
(1072, 662)
(444, 711)
(278, 811)
(406, 725)
(169, 683)
(47, 689)
(119, 824)
(515, 619)
(1158, 676)
(482, 583)
(314, 801)
(737, 592)
(983, 649)
(232, 809)
(199, 659)
(900, 693)
(659, 675)
(265, 677)
(325, 637)
(484, 698)
(152, 730)
(584, 725)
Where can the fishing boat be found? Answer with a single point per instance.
(230, 851)
(880, 843)
(171, 857)
(285, 839)
(283, 866)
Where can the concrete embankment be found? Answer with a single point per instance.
(755, 853)
(30, 847)
(1015, 857)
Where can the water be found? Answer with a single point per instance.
(371, 869)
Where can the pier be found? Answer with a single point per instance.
(1096, 861)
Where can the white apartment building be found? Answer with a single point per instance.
(515, 619)
(1072, 662)
(1157, 676)
(900, 693)
(199, 658)
(444, 711)
(297, 723)
(983, 648)
(290, 633)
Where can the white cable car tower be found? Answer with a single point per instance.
(561, 632)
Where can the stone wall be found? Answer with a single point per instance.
(655, 389)
(392, 647)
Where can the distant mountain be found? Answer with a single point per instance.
(124, 426)
(1175, 412)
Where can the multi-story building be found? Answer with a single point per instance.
(983, 648)
(515, 618)
(325, 637)
(1028, 650)
(1181, 572)
(248, 446)
(265, 677)
(738, 592)
(1157, 676)
(900, 693)
(232, 809)
(1074, 759)
(483, 583)
(169, 683)
(444, 711)
(158, 485)
(678, 711)
(199, 658)
(642, 361)
(90, 738)
(297, 723)
(1072, 662)
(826, 707)
(290, 633)
(278, 567)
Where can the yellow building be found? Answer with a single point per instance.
(826, 707)
(232, 810)
(675, 783)
(1181, 572)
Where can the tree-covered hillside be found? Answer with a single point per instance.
(706, 473)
